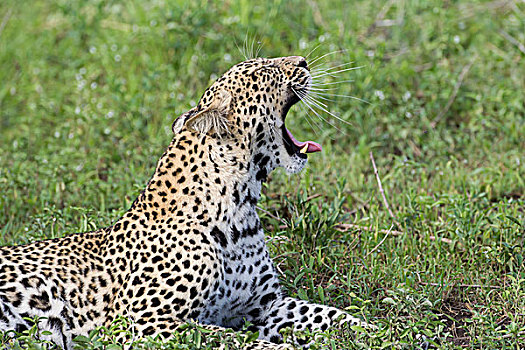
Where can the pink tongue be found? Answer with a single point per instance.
(312, 146)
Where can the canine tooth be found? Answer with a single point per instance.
(304, 149)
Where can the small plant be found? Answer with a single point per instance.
(31, 338)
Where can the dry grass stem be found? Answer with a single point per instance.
(6, 18)
(347, 227)
(460, 285)
(452, 97)
(376, 172)
(379, 244)
(512, 40)
(271, 215)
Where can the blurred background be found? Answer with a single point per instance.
(89, 90)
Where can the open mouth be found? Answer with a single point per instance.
(297, 147)
(290, 142)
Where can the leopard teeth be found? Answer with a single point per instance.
(304, 149)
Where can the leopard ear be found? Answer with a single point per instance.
(213, 116)
(179, 122)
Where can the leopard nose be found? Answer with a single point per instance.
(297, 61)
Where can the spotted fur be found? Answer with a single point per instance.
(191, 247)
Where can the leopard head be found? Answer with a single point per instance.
(246, 109)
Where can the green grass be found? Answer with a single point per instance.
(90, 89)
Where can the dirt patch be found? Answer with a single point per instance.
(457, 312)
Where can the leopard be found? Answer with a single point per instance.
(191, 248)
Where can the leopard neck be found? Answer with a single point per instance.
(203, 180)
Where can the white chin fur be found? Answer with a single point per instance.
(296, 164)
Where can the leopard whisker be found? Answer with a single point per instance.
(245, 46)
(323, 107)
(323, 56)
(240, 50)
(314, 83)
(323, 119)
(248, 51)
(336, 72)
(307, 116)
(314, 88)
(252, 48)
(326, 70)
(303, 96)
(313, 96)
(259, 48)
(337, 95)
(310, 97)
(309, 53)
(324, 99)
